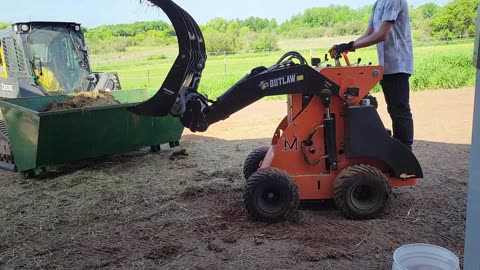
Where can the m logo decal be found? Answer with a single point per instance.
(289, 147)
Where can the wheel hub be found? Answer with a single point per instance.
(364, 197)
(271, 201)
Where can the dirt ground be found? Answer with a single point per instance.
(162, 211)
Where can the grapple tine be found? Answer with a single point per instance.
(185, 74)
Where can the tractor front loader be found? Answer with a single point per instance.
(47, 62)
(332, 143)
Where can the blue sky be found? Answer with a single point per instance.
(91, 13)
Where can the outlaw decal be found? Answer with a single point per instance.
(281, 81)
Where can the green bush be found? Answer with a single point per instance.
(264, 42)
(107, 46)
(446, 71)
(4, 25)
(217, 41)
(119, 44)
(456, 19)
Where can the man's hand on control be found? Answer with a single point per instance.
(337, 50)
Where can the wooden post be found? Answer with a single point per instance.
(225, 61)
(148, 75)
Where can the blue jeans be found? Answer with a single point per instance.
(396, 88)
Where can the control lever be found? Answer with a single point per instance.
(316, 62)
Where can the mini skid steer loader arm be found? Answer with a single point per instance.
(178, 95)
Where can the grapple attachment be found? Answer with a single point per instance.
(181, 84)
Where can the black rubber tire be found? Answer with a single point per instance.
(252, 163)
(361, 192)
(271, 196)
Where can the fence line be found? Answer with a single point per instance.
(146, 56)
(148, 78)
(146, 68)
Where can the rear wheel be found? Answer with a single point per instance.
(361, 192)
(253, 161)
(271, 195)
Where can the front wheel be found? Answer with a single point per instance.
(271, 195)
(361, 192)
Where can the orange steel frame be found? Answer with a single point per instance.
(315, 182)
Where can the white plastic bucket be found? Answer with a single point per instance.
(424, 257)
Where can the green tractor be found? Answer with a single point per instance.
(44, 62)
(47, 58)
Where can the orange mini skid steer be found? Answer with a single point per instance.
(331, 145)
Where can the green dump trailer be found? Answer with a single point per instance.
(38, 139)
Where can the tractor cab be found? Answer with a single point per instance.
(48, 58)
(59, 57)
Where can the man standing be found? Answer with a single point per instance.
(389, 29)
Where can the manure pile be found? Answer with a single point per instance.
(83, 100)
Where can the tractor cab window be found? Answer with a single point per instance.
(59, 60)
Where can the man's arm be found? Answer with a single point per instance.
(367, 33)
(371, 38)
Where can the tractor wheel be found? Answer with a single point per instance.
(252, 163)
(361, 192)
(271, 195)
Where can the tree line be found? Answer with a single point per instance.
(457, 18)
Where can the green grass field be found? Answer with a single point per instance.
(437, 66)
